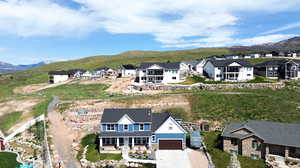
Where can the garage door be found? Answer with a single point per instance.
(170, 144)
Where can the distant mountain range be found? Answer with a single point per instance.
(285, 45)
(9, 68)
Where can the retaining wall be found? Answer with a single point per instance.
(201, 86)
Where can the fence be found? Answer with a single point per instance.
(24, 127)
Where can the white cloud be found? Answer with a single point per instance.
(283, 28)
(209, 23)
(42, 18)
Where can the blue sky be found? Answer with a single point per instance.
(56, 30)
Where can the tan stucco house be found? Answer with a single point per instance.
(260, 139)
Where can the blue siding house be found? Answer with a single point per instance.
(140, 127)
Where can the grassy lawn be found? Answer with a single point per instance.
(93, 154)
(41, 108)
(8, 120)
(220, 158)
(78, 92)
(8, 160)
(262, 104)
(247, 162)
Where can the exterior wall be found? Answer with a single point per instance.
(200, 67)
(242, 131)
(246, 73)
(131, 127)
(128, 72)
(228, 147)
(247, 149)
(168, 136)
(209, 70)
(168, 75)
(59, 78)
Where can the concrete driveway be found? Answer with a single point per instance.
(172, 159)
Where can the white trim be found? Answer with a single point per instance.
(125, 115)
(173, 120)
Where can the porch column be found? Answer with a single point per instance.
(286, 152)
(101, 144)
(149, 142)
(118, 144)
(132, 141)
(267, 149)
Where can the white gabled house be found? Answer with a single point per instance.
(159, 73)
(58, 76)
(193, 67)
(127, 71)
(228, 70)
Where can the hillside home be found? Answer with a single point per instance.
(261, 139)
(228, 70)
(106, 72)
(58, 76)
(279, 69)
(76, 73)
(160, 73)
(140, 128)
(232, 56)
(194, 67)
(127, 71)
(255, 55)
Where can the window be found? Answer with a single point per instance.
(143, 78)
(248, 74)
(153, 138)
(270, 68)
(297, 150)
(233, 141)
(233, 152)
(144, 71)
(174, 77)
(254, 144)
(249, 68)
(141, 127)
(110, 127)
(254, 156)
(218, 75)
(125, 127)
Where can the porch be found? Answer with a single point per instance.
(116, 143)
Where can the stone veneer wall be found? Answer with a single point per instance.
(227, 146)
(248, 150)
(202, 86)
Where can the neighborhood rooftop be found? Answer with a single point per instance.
(137, 115)
(166, 65)
(283, 134)
(224, 63)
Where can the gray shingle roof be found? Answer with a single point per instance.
(129, 66)
(166, 65)
(137, 115)
(137, 133)
(270, 132)
(223, 63)
(158, 119)
(275, 63)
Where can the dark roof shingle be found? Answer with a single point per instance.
(136, 114)
(166, 65)
(271, 132)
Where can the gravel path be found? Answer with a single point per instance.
(62, 137)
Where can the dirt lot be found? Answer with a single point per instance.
(36, 87)
(18, 105)
(24, 106)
